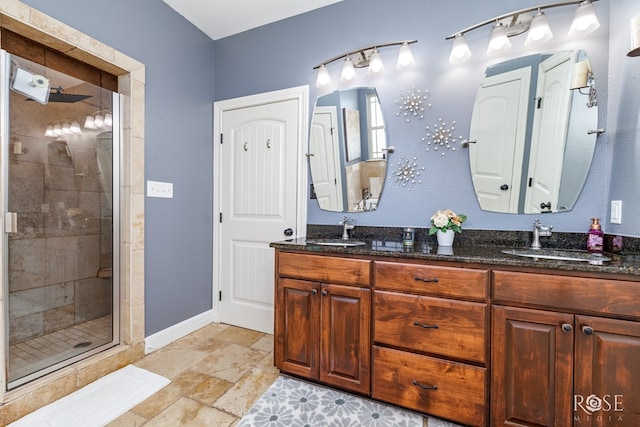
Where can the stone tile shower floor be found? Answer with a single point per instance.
(38, 353)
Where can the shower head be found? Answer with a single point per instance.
(68, 98)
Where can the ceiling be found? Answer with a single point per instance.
(222, 18)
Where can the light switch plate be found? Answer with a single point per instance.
(160, 189)
(616, 212)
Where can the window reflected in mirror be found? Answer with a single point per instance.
(347, 150)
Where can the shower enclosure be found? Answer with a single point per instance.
(59, 141)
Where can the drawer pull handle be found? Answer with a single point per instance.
(425, 326)
(422, 279)
(425, 387)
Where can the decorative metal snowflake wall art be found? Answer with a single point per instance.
(441, 137)
(405, 173)
(412, 104)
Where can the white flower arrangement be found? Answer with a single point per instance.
(447, 219)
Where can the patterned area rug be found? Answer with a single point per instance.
(292, 402)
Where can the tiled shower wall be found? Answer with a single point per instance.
(61, 253)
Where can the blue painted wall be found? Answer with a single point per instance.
(186, 71)
(178, 134)
(623, 127)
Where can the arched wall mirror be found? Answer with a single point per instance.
(348, 150)
(533, 133)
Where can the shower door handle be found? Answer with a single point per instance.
(10, 222)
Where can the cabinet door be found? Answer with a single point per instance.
(532, 366)
(607, 372)
(345, 350)
(297, 335)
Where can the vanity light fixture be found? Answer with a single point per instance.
(361, 58)
(521, 21)
(101, 119)
(583, 79)
(62, 127)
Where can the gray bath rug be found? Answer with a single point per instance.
(292, 402)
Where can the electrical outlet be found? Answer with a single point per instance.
(160, 189)
(616, 212)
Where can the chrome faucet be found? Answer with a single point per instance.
(347, 224)
(538, 231)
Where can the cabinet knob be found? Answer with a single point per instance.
(587, 330)
(567, 327)
(425, 387)
(325, 293)
(314, 292)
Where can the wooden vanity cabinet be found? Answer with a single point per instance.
(322, 329)
(430, 339)
(549, 361)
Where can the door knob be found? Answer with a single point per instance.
(504, 187)
(545, 205)
(288, 232)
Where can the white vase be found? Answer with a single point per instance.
(445, 238)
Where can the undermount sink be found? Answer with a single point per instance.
(559, 254)
(336, 242)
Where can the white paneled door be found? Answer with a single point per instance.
(258, 205)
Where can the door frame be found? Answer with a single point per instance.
(301, 93)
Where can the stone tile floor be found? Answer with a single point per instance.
(216, 373)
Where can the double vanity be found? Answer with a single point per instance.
(478, 336)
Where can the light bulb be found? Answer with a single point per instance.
(539, 31)
(375, 64)
(57, 129)
(348, 72)
(499, 41)
(323, 79)
(89, 123)
(75, 127)
(49, 132)
(460, 51)
(405, 57)
(108, 120)
(585, 20)
(98, 121)
(66, 128)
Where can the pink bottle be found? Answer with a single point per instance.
(595, 237)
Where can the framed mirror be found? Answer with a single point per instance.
(533, 133)
(348, 150)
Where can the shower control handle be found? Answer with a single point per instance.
(10, 222)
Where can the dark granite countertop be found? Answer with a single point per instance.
(469, 252)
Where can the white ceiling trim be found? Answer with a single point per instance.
(222, 18)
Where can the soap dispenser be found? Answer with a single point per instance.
(594, 238)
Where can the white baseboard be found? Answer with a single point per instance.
(175, 332)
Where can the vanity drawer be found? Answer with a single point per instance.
(398, 377)
(432, 280)
(328, 269)
(449, 328)
(615, 297)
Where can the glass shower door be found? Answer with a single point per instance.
(59, 225)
